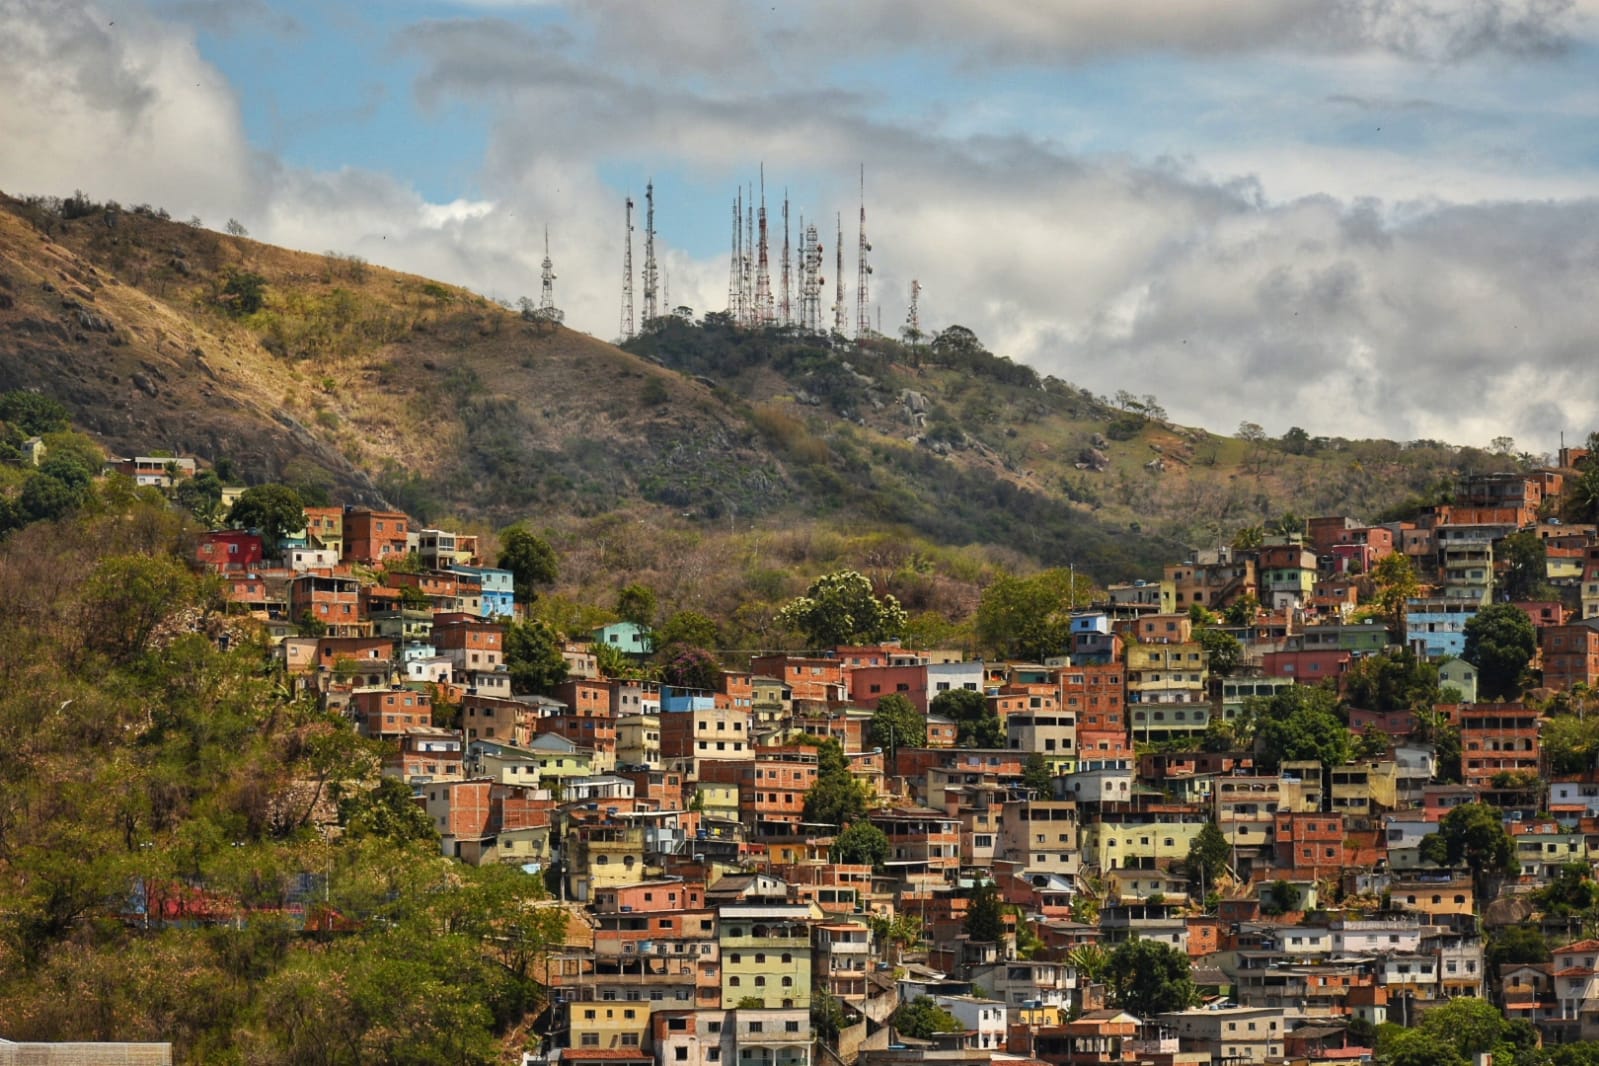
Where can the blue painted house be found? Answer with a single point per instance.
(627, 637)
(499, 592)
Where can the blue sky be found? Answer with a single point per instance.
(1359, 216)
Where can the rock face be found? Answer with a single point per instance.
(1093, 459)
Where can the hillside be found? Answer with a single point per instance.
(371, 385)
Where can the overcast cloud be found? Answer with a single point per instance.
(1270, 254)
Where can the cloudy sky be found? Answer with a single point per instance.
(1363, 217)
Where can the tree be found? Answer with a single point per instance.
(1301, 722)
(33, 414)
(691, 628)
(530, 559)
(1280, 897)
(244, 293)
(1373, 743)
(1223, 652)
(1030, 618)
(236, 229)
(985, 914)
(1582, 494)
(1500, 642)
(977, 725)
(533, 656)
(1242, 611)
(637, 604)
(1412, 1047)
(898, 932)
(1395, 680)
(896, 724)
(387, 812)
(1571, 891)
(922, 1018)
(1147, 978)
(1037, 775)
(1471, 1026)
(1516, 944)
(1526, 560)
(1473, 834)
(274, 511)
(692, 668)
(840, 608)
(1395, 581)
(201, 496)
(1571, 743)
(128, 596)
(1208, 856)
(862, 844)
(836, 798)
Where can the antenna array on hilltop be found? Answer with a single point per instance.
(751, 302)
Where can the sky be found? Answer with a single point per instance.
(1360, 217)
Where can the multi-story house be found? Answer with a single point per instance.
(1040, 836)
(1212, 579)
(766, 954)
(374, 537)
(1096, 696)
(1496, 738)
(1571, 654)
(388, 714)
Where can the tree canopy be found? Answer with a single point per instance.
(530, 559)
(274, 511)
(985, 913)
(1147, 977)
(895, 724)
(977, 724)
(1301, 722)
(533, 656)
(922, 1018)
(840, 608)
(1500, 641)
(862, 843)
(1473, 834)
(836, 798)
(1395, 680)
(1030, 617)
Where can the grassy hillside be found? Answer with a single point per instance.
(365, 383)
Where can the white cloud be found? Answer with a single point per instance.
(1339, 314)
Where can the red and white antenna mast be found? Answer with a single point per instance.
(838, 296)
(651, 274)
(763, 271)
(785, 308)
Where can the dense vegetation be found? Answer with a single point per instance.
(190, 852)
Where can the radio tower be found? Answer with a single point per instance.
(651, 275)
(748, 283)
(913, 321)
(763, 271)
(547, 292)
(785, 308)
(735, 279)
(811, 280)
(838, 296)
(863, 308)
(627, 277)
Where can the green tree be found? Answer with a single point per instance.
(840, 608)
(898, 932)
(1301, 722)
(1030, 618)
(243, 294)
(1500, 642)
(129, 596)
(530, 559)
(1526, 574)
(201, 496)
(1570, 743)
(1208, 856)
(1147, 978)
(33, 414)
(896, 724)
(45, 498)
(1516, 944)
(922, 1018)
(1280, 897)
(1412, 1047)
(533, 656)
(1395, 680)
(637, 604)
(1571, 891)
(1037, 776)
(1373, 743)
(1242, 611)
(1223, 652)
(690, 628)
(977, 724)
(836, 798)
(1582, 494)
(386, 812)
(273, 511)
(862, 843)
(1474, 835)
(985, 913)
(1471, 1026)
(1396, 583)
